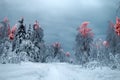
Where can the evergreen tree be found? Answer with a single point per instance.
(19, 35)
(21, 32)
(37, 33)
(40, 47)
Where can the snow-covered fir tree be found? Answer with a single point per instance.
(21, 31)
(19, 35)
(18, 41)
(29, 44)
(37, 39)
(29, 34)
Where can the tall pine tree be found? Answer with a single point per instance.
(20, 35)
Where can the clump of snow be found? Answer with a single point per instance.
(55, 71)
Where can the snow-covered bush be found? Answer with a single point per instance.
(99, 52)
(40, 47)
(57, 53)
(6, 49)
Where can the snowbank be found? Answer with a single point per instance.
(54, 71)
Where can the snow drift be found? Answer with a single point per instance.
(55, 71)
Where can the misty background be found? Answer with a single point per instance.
(61, 18)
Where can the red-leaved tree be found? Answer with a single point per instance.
(113, 37)
(83, 40)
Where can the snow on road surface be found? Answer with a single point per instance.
(54, 71)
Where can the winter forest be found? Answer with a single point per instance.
(25, 44)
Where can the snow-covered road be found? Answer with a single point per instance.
(54, 71)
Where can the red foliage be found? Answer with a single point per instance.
(105, 43)
(12, 32)
(84, 30)
(67, 54)
(117, 26)
(56, 44)
(11, 36)
(36, 25)
(84, 24)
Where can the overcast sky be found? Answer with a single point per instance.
(60, 18)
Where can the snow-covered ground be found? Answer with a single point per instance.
(54, 71)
